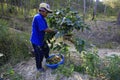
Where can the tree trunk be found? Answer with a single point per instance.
(84, 12)
(2, 7)
(95, 9)
(118, 18)
(90, 4)
(25, 9)
(105, 8)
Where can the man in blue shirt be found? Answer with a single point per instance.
(39, 27)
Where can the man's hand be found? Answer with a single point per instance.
(51, 31)
(55, 31)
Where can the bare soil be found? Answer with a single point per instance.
(102, 34)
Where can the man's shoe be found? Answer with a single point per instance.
(41, 70)
(1, 78)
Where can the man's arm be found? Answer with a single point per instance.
(49, 30)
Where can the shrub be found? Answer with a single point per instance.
(112, 67)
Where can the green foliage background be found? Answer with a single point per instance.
(13, 46)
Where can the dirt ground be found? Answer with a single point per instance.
(102, 34)
(28, 70)
(105, 35)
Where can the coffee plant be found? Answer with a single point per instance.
(65, 21)
(91, 62)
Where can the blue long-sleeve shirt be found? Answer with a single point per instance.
(39, 25)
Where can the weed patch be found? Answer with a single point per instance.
(13, 46)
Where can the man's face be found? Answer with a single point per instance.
(44, 13)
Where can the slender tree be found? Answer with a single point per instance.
(95, 9)
(2, 7)
(105, 8)
(84, 12)
(118, 18)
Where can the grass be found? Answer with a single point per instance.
(14, 46)
(7, 72)
(109, 45)
(106, 18)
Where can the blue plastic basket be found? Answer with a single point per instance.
(54, 66)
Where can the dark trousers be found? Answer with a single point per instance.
(40, 52)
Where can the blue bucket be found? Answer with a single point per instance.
(54, 66)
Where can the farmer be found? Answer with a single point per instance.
(39, 28)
